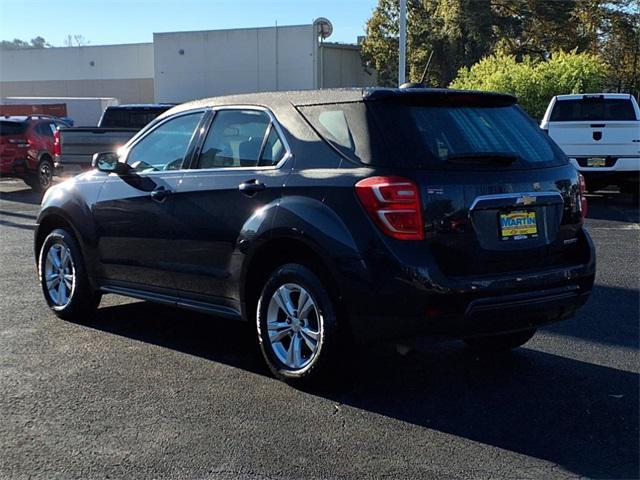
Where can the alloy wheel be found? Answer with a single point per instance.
(59, 274)
(294, 326)
(45, 175)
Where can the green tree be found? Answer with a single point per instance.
(620, 50)
(17, 44)
(461, 32)
(458, 32)
(535, 27)
(535, 81)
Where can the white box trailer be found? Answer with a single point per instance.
(84, 111)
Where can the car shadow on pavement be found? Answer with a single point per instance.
(610, 317)
(578, 415)
(6, 223)
(27, 196)
(613, 207)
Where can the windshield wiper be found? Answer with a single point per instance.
(474, 158)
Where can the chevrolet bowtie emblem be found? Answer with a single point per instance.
(526, 200)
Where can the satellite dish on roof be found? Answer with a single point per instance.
(324, 28)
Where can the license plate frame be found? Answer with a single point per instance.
(518, 224)
(596, 162)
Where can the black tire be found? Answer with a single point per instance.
(631, 189)
(329, 343)
(43, 178)
(500, 343)
(82, 300)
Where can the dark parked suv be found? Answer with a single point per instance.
(327, 216)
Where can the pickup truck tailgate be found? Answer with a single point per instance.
(593, 138)
(87, 141)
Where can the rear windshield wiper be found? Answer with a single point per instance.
(475, 158)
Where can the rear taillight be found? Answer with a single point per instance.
(393, 203)
(582, 186)
(56, 143)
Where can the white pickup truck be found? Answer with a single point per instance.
(600, 133)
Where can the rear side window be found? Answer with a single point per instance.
(596, 108)
(426, 136)
(12, 128)
(45, 129)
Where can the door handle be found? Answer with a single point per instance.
(160, 193)
(251, 187)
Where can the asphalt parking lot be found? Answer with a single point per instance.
(142, 391)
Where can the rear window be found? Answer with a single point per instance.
(387, 133)
(12, 128)
(129, 117)
(596, 108)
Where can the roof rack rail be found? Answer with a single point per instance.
(40, 115)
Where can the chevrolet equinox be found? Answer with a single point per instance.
(322, 216)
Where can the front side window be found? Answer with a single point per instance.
(236, 139)
(165, 147)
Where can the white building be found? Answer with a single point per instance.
(182, 66)
(121, 71)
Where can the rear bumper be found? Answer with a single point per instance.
(612, 164)
(18, 168)
(621, 165)
(426, 304)
(70, 165)
(485, 316)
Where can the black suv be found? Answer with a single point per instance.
(323, 216)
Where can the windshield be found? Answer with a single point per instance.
(433, 136)
(586, 109)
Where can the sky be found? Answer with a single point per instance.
(105, 22)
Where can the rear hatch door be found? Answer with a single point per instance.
(12, 140)
(498, 195)
(593, 138)
(493, 222)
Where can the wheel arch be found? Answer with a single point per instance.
(48, 222)
(45, 155)
(277, 251)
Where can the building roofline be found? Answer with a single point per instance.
(233, 29)
(75, 46)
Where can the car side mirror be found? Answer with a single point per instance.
(109, 162)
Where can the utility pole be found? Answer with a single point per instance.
(402, 57)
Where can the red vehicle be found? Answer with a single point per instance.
(27, 148)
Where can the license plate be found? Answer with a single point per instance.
(518, 225)
(596, 162)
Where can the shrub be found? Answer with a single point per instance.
(535, 82)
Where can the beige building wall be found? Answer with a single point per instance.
(190, 65)
(121, 71)
(340, 65)
(186, 65)
(139, 90)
